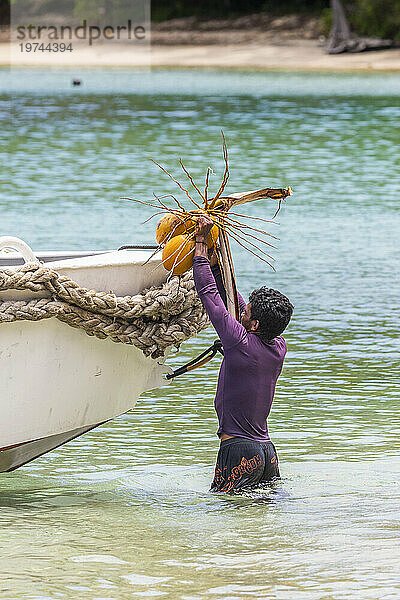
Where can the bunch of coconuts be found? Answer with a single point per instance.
(176, 234)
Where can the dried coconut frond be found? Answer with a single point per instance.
(218, 208)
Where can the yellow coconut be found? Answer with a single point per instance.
(213, 236)
(190, 224)
(178, 251)
(168, 224)
(171, 225)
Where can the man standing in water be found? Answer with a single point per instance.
(253, 357)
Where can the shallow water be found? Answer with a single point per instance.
(124, 511)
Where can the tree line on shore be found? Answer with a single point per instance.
(379, 18)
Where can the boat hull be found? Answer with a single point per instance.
(15, 456)
(57, 382)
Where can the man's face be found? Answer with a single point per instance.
(248, 323)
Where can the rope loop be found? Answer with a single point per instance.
(153, 320)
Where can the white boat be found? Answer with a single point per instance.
(56, 381)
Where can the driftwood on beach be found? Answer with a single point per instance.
(341, 39)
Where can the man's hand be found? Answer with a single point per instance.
(204, 226)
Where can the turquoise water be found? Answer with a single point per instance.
(124, 511)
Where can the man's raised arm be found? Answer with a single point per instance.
(230, 331)
(216, 271)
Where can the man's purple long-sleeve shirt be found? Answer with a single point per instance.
(250, 368)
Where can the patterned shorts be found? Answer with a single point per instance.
(243, 463)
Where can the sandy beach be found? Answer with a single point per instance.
(296, 54)
(254, 42)
(293, 55)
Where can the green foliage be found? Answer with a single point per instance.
(162, 10)
(111, 10)
(84, 8)
(42, 7)
(4, 12)
(295, 6)
(326, 21)
(380, 18)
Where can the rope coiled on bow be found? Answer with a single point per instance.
(153, 320)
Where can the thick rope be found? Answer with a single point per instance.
(157, 318)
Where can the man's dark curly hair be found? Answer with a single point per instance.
(273, 311)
